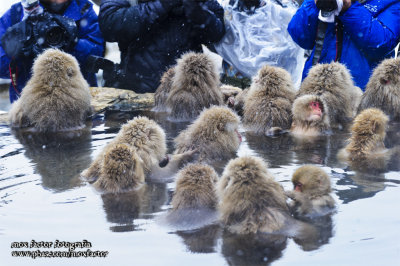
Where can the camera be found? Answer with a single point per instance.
(31, 36)
(327, 7)
(112, 73)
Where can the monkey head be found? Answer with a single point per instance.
(144, 134)
(310, 109)
(311, 180)
(195, 187)
(121, 170)
(273, 78)
(370, 123)
(58, 70)
(388, 72)
(193, 69)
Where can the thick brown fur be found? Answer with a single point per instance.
(383, 89)
(161, 94)
(314, 198)
(239, 101)
(301, 125)
(230, 92)
(56, 98)
(121, 170)
(268, 105)
(213, 135)
(195, 86)
(334, 84)
(144, 136)
(251, 200)
(195, 188)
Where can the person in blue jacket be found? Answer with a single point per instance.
(152, 34)
(362, 34)
(89, 40)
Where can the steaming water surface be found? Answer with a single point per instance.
(43, 199)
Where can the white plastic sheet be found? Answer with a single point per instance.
(254, 40)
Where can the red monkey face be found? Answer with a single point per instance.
(298, 186)
(316, 111)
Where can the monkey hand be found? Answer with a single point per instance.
(186, 156)
(295, 195)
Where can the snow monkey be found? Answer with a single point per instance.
(383, 89)
(366, 148)
(56, 97)
(214, 135)
(148, 147)
(268, 105)
(161, 94)
(250, 200)
(230, 92)
(311, 193)
(333, 84)
(195, 188)
(195, 86)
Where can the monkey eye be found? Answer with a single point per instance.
(315, 104)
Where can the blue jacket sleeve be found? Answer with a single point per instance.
(303, 25)
(118, 19)
(5, 23)
(90, 40)
(375, 36)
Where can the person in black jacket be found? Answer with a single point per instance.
(152, 34)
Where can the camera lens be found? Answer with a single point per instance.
(55, 36)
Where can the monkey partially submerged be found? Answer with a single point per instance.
(311, 193)
(195, 86)
(383, 89)
(214, 135)
(268, 104)
(143, 141)
(338, 97)
(56, 98)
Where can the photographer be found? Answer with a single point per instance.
(31, 26)
(152, 34)
(358, 34)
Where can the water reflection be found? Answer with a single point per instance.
(58, 157)
(201, 240)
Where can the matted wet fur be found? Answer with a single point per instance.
(268, 105)
(214, 135)
(311, 193)
(302, 124)
(195, 188)
(56, 97)
(334, 84)
(161, 94)
(383, 89)
(144, 136)
(251, 200)
(195, 86)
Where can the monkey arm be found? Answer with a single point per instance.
(378, 35)
(175, 162)
(302, 204)
(303, 26)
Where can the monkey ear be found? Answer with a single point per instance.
(383, 81)
(221, 126)
(70, 72)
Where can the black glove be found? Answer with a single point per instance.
(16, 39)
(196, 11)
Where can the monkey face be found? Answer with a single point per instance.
(310, 179)
(316, 111)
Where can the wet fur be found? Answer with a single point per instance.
(383, 89)
(56, 98)
(212, 134)
(315, 198)
(161, 94)
(333, 83)
(268, 105)
(195, 86)
(251, 200)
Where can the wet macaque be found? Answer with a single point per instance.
(383, 89)
(121, 170)
(195, 86)
(195, 188)
(161, 94)
(56, 97)
(213, 135)
(311, 193)
(147, 140)
(366, 148)
(268, 105)
(334, 85)
(230, 92)
(310, 116)
(250, 200)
